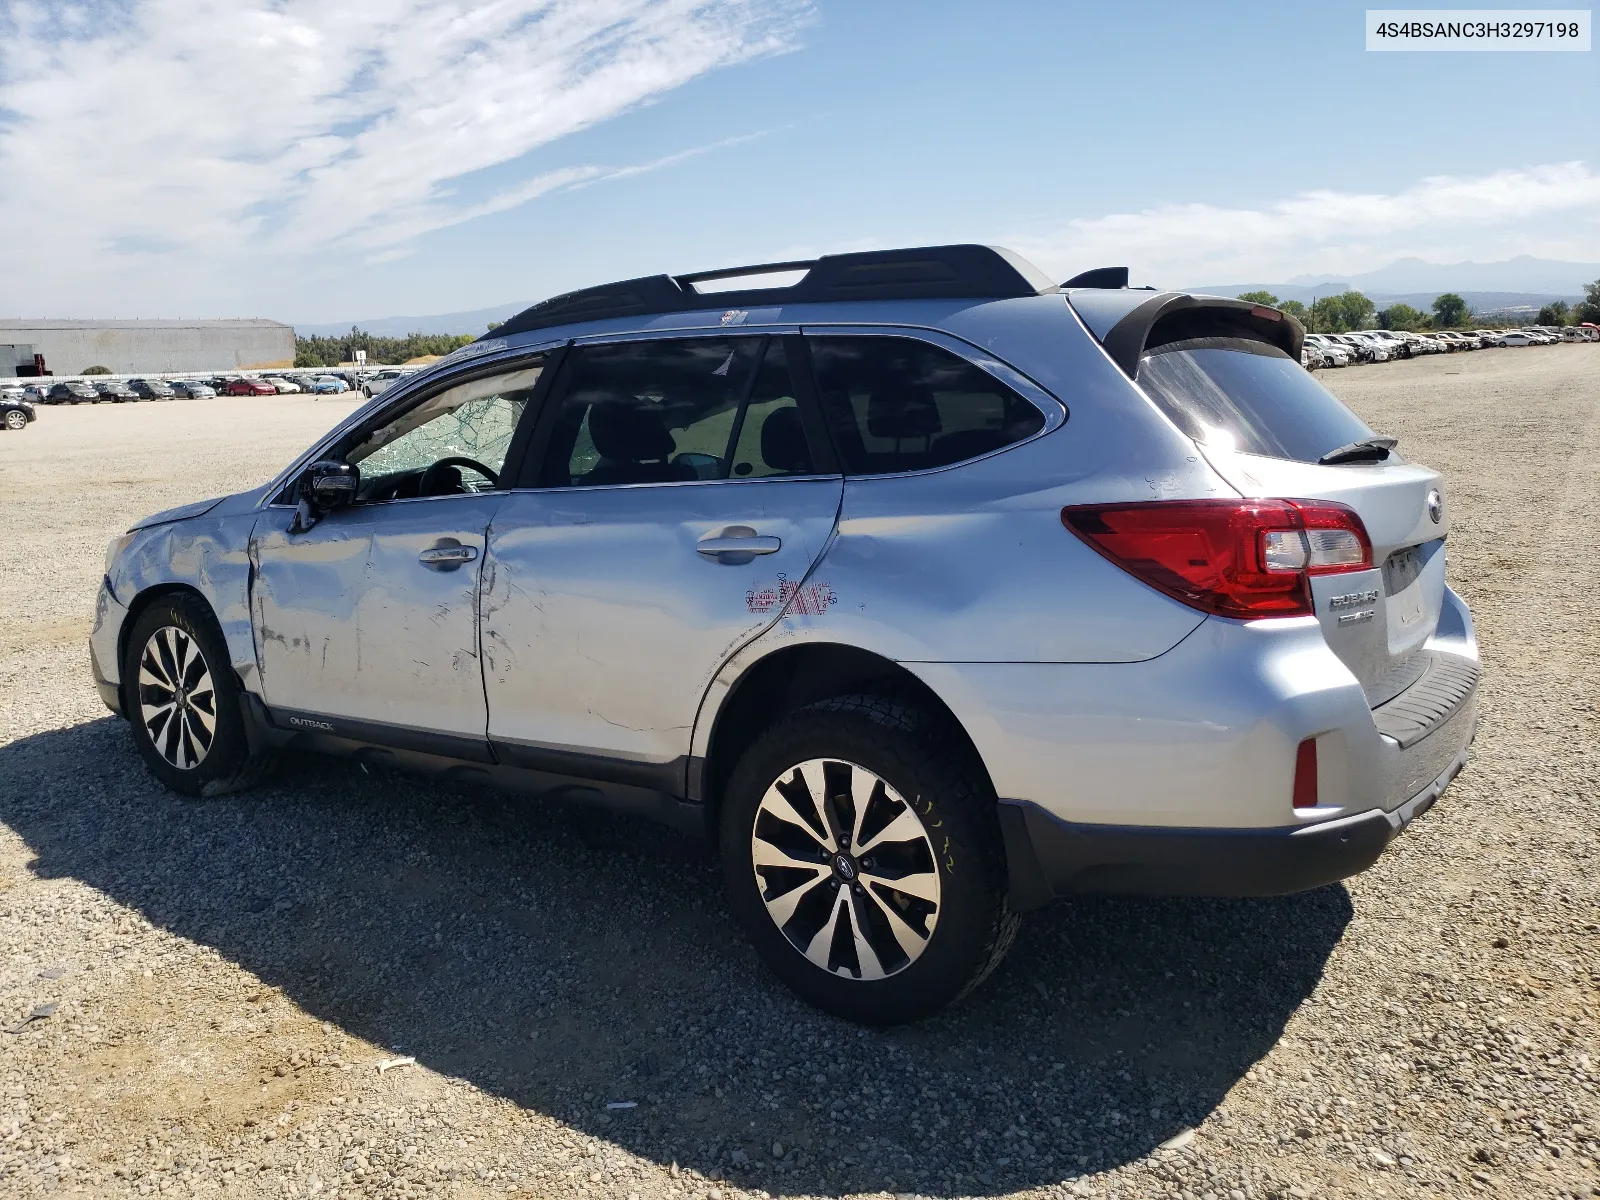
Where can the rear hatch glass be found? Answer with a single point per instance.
(1244, 395)
(1264, 423)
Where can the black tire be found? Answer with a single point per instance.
(224, 763)
(951, 797)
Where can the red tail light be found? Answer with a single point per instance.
(1232, 558)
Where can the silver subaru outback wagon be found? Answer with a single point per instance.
(928, 589)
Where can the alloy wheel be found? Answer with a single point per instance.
(846, 869)
(15, 419)
(177, 699)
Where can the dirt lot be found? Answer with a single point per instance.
(230, 976)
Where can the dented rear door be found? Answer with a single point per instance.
(619, 583)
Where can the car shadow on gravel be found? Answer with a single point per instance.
(570, 959)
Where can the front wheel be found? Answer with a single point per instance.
(182, 698)
(16, 419)
(862, 856)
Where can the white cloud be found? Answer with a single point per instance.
(170, 134)
(1442, 219)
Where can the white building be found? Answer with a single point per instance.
(132, 347)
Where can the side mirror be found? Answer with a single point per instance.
(329, 484)
(324, 486)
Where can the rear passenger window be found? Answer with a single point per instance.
(675, 411)
(898, 404)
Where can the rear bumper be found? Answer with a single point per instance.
(1049, 857)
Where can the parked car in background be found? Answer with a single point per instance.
(1331, 353)
(248, 387)
(193, 389)
(1572, 334)
(15, 412)
(151, 389)
(852, 595)
(284, 387)
(12, 391)
(375, 383)
(117, 392)
(1514, 337)
(1398, 344)
(1378, 349)
(324, 385)
(1537, 336)
(72, 392)
(1358, 350)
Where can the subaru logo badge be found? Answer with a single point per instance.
(1435, 506)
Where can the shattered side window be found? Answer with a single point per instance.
(474, 420)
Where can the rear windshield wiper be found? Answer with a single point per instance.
(1372, 449)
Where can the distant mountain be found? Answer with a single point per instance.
(474, 322)
(1478, 302)
(1523, 281)
(1486, 287)
(1521, 274)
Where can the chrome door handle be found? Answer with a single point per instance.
(447, 556)
(736, 545)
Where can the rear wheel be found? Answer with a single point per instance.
(182, 699)
(862, 857)
(16, 419)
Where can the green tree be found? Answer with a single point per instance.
(1449, 311)
(1589, 307)
(493, 325)
(95, 371)
(1341, 313)
(331, 351)
(1355, 310)
(1400, 316)
(1553, 314)
(1261, 297)
(1293, 308)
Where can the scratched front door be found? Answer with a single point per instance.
(356, 625)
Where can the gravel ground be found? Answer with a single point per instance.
(220, 987)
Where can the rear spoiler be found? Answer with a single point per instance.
(1175, 316)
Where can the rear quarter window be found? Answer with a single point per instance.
(899, 404)
(1245, 395)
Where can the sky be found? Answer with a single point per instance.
(314, 161)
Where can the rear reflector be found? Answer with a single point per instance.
(1232, 558)
(1305, 774)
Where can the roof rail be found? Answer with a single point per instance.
(966, 272)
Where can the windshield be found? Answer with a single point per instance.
(1243, 395)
